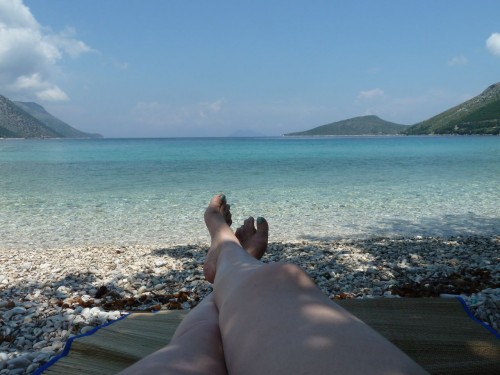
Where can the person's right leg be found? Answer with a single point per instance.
(274, 320)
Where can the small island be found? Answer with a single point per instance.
(364, 125)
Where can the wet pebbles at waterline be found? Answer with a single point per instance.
(48, 296)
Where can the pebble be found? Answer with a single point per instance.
(48, 296)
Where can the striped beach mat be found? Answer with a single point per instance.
(439, 334)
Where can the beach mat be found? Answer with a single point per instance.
(439, 334)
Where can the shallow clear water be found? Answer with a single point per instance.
(58, 193)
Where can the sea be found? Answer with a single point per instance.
(64, 193)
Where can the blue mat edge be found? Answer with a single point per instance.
(67, 347)
(469, 313)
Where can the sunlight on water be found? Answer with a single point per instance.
(58, 193)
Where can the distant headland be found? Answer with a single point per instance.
(479, 115)
(31, 120)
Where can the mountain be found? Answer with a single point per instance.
(16, 123)
(60, 127)
(364, 125)
(479, 115)
(31, 120)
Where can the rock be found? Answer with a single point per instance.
(41, 357)
(48, 350)
(17, 371)
(159, 287)
(86, 314)
(101, 292)
(56, 345)
(78, 320)
(31, 368)
(19, 362)
(160, 263)
(39, 344)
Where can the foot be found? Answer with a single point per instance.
(254, 241)
(217, 220)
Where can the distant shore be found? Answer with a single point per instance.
(49, 295)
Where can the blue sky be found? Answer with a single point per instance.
(160, 68)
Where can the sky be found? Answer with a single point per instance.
(165, 68)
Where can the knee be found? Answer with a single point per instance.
(285, 270)
(285, 273)
(198, 329)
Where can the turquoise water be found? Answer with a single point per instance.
(59, 193)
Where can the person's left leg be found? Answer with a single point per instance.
(195, 348)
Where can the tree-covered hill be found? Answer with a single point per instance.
(479, 115)
(364, 125)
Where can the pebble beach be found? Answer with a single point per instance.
(48, 296)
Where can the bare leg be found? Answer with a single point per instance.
(195, 348)
(274, 320)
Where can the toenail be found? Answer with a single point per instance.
(222, 198)
(260, 220)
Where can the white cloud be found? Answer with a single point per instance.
(52, 94)
(207, 108)
(13, 13)
(458, 60)
(161, 115)
(493, 44)
(371, 94)
(29, 53)
(43, 90)
(64, 41)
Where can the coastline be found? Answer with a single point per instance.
(47, 296)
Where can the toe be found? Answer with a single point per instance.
(227, 214)
(217, 201)
(249, 225)
(262, 225)
(214, 214)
